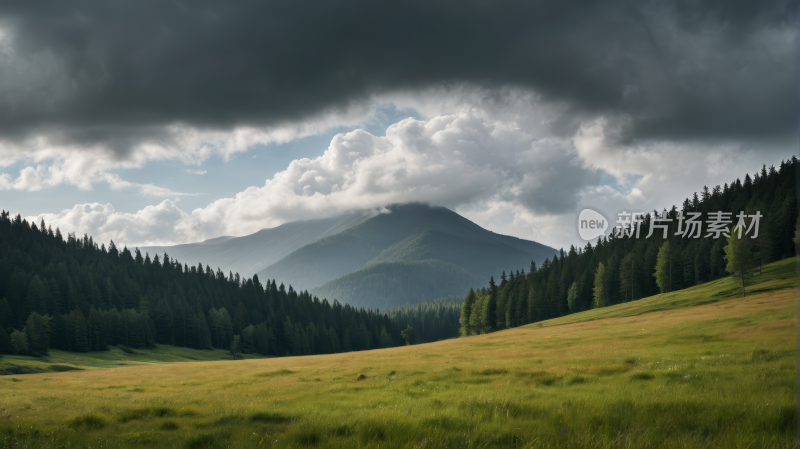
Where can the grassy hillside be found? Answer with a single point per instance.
(387, 285)
(678, 372)
(775, 276)
(405, 234)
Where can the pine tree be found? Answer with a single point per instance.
(663, 267)
(490, 313)
(336, 345)
(248, 340)
(477, 318)
(37, 298)
(600, 296)
(95, 332)
(739, 258)
(572, 297)
(466, 313)
(288, 336)
(81, 341)
(300, 342)
(346, 344)
(386, 339)
(409, 335)
(19, 341)
(235, 346)
(5, 342)
(6, 315)
(688, 270)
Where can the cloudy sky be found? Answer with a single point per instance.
(163, 122)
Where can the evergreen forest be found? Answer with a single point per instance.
(625, 267)
(75, 295)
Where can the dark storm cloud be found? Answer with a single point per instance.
(669, 69)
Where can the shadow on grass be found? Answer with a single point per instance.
(282, 372)
(89, 422)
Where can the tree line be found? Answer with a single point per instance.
(75, 295)
(429, 321)
(622, 267)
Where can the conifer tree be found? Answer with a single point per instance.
(572, 297)
(347, 346)
(490, 313)
(600, 296)
(95, 332)
(235, 346)
(386, 339)
(19, 341)
(336, 345)
(6, 315)
(739, 258)
(248, 340)
(81, 341)
(466, 313)
(409, 335)
(663, 268)
(5, 342)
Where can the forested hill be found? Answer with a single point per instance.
(77, 295)
(623, 268)
(414, 253)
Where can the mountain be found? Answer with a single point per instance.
(364, 265)
(249, 254)
(387, 285)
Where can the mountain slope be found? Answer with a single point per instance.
(476, 256)
(386, 285)
(409, 233)
(249, 254)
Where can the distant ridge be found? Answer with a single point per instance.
(251, 253)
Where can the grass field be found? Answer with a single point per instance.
(697, 368)
(115, 357)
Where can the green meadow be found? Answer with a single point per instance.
(702, 367)
(115, 357)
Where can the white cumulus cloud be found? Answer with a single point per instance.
(504, 159)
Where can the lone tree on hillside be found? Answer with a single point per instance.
(739, 258)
